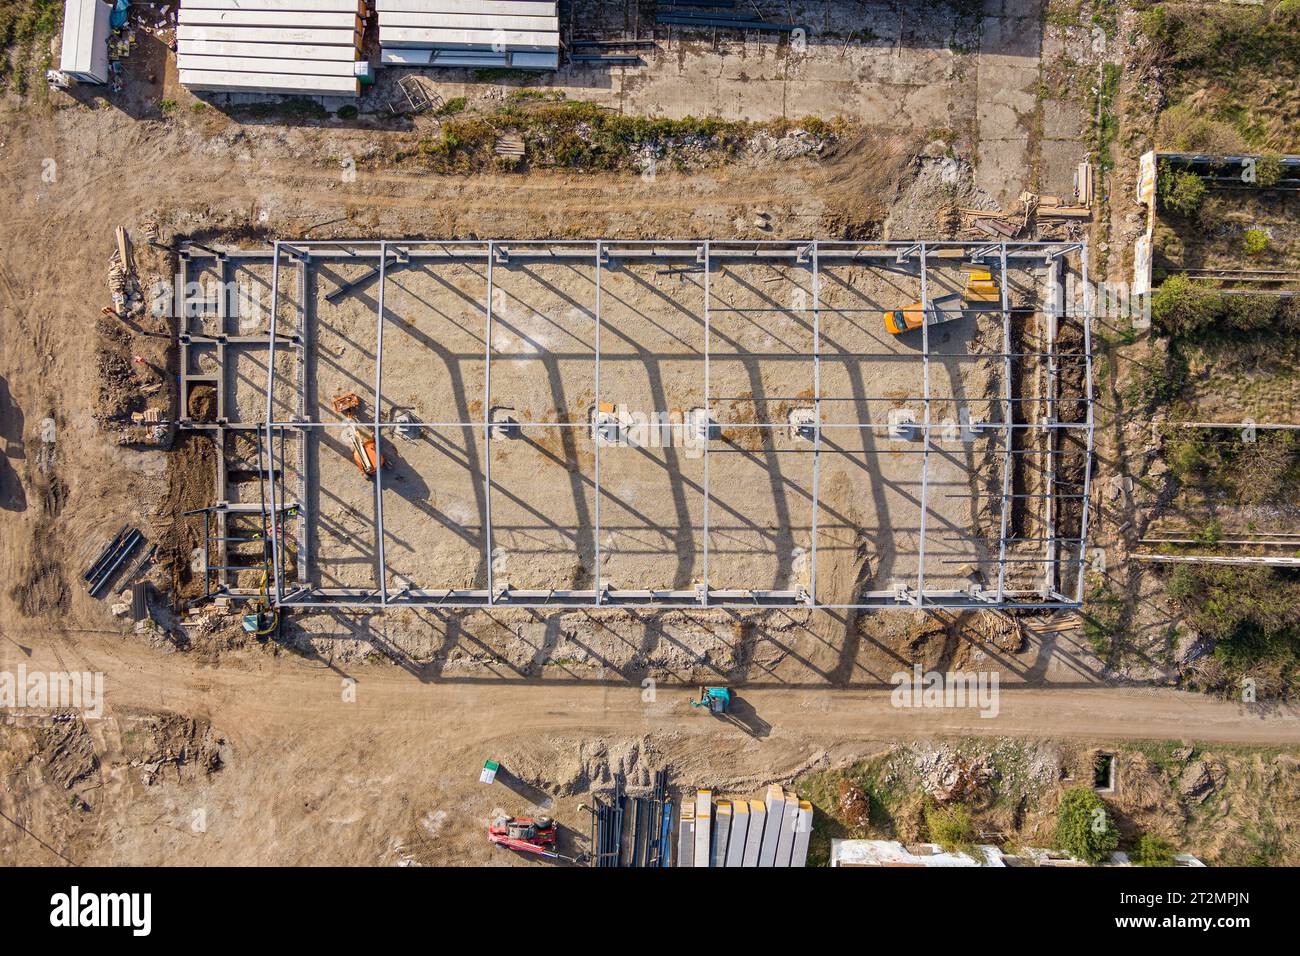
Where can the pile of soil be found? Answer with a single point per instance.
(202, 404)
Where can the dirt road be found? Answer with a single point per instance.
(248, 697)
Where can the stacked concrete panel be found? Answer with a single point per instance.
(686, 835)
(785, 836)
(516, 34)
(745, 833)
(703, 826)
(270, 46)
(739, 833)
(721, 833)
(754, 840)
(802, 834)
(772, 829)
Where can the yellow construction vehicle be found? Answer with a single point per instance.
(981, 287)
(364, 452)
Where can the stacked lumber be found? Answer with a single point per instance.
(1045, 210)
(308, 47)
(515, 34)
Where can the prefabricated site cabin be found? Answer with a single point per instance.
(84, 55)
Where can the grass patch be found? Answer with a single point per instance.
(1230, 67)
(298, 108)
(26, 29)
(950, 826)
(1105, 122)
(452, 106)
(574, 134)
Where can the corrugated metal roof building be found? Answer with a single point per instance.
(518, 34)
(271, 46)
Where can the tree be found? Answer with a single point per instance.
(1083, 827)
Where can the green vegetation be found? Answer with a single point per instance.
(166, 107)
(575, 134)
(1152, 850)
(1255, 242)
(452, 106)
(1249, 613)
(1105, 618)
(494, 73)
(1233, 65)
(949, 825)
(1187, 308)
(1262, 470)
(295, 107)
(1252, 815)
(1268, 170)
(1106, 127)
(1180, 191)
(1084, 828)
(347, 112)
(26, 28)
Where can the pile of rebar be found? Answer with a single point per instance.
(115, 553)
(638, 838)
(717, 13)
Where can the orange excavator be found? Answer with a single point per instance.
(364, 452)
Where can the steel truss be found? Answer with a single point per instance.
(1063, 559)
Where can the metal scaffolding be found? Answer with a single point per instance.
(1062, 558)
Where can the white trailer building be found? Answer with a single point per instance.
(84, 54)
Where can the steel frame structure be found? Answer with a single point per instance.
(1060, 588)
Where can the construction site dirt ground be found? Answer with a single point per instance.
(303, 778)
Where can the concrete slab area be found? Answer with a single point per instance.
(762, 337)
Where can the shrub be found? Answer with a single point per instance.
(1190, 458)
(1249, 612)
(1182, 191)
(1183, 307)
(950, 826)
(1268, 169)
(347, 112)
(1255, 242)
(452, 106)
(1152, 850)
(1083, 827)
